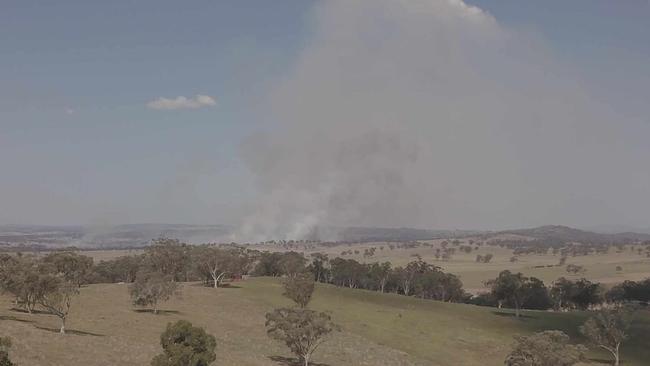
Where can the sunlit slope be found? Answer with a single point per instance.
(378, 329)
(443, 333)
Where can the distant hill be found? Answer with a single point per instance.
(354, 234)
(568, 234)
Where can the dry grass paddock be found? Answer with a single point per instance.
(378, 329)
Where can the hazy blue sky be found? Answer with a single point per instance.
(83, 141)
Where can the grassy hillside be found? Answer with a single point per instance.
(378, 329)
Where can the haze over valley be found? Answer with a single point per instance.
(324, 183)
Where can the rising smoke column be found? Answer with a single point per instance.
(423, 113)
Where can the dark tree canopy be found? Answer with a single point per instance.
(120, 269)
(347, 272)
(185, 345)
(575, 269)
(319, 266)
(5, 345)
(169, 257)
(517, 291)
(292, 264)
(513, 288)
(299, 289)
(279, 264)
(630, 291)
(580, 294)
(73, 267)
(537, 295)
(25, 278)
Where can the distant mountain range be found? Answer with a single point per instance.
(569, 234)
(353, 234)
(139, 235)
(553, 232)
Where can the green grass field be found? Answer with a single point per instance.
(378, 329)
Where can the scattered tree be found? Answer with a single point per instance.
(299, 289)
(484, 258)
(575, 269)
(607, 330)
(57, 297)
(302, 330)
(150, 288)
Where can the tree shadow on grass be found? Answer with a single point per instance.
(602, 361)
(160, 312)
(198, 284)
(513, 315)
(13, 318)
(71, 331)
(293, 361)
(204, 285)
(17, 310)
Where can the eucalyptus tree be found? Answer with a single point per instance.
(302, 330)
(547, 348)
(57, 297)
(151, 288)
(607, 330)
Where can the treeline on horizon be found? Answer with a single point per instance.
(24, 275)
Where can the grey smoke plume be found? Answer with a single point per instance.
(427, 113)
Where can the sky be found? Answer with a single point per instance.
(279, 116)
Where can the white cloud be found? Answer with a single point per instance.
(181, 102)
